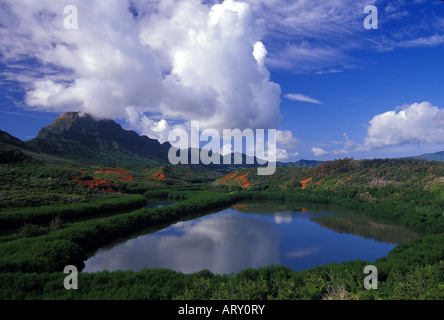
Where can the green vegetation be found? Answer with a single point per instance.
(416, 265)
(15, 217)
(48, 219)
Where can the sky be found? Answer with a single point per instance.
(336, 79)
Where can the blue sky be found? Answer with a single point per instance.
(309, 69)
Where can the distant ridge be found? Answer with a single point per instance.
(11, 148)
(7, 139)
(300, 163)
(437, 156)
(79, 137)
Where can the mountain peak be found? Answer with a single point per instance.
(80, 136)
(65, 122)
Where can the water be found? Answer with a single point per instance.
(158, 203)
(255, 235)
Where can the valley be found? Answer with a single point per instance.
(64, 195)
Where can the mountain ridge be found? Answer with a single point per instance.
(435, 156)
(12, 149)
(80, 137)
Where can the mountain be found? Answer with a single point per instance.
(300, 163)
(7, 139)
(11, 149)
(82, 138)
(437, 156)
(79, 137)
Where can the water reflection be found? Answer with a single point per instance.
(158, 203)
(336, 218)
(222, 243)
(282, 217)
(255, 235)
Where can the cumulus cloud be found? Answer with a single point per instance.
(227, 149)
(285, 141)
(417, 123)
(146, 126)
(318, 152)
(348, 146)
(281, 155)
(173, 60)
(285, 138)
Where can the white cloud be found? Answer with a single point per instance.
(348, 146)
(260, 53)
(311, 36)
(318, 152)
(301, 98)
(310, 19)
(317, 35)
(385, 44)
(414, 124)
(285, 138)
(154, 129)
(418, 123)
(177, 60)
(281, 154)
(285, 141)
(428, 41)
(227, 149)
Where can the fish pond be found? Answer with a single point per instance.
(253, 235)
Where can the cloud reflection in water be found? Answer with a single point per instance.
(232, 240)
(222, 243)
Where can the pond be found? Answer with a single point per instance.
(255, 235)
(158, 203)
